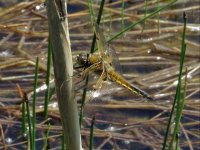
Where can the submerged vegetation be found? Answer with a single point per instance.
(151, 54)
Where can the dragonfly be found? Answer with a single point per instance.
(105, 60)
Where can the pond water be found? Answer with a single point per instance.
(149, 55)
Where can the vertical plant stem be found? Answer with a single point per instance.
(48, 73)
(23, 119)
(46, 138)
(34, 102)
(98, 22)
(83, 101)
(178, 90)
(63, 142)
(179, 108)
(63, 71)
(29, 120)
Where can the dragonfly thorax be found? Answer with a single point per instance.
(95, 58)
(87, 60)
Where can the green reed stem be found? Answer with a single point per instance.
(177, 143)
(179, 109)
(23, 130)
(93, 20)
(29, 120)
(63, 143)
(48, 73)
(34, 101)
(178, 90)
(83, 101)
(46, 138)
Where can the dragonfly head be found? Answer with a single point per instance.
(82, 59)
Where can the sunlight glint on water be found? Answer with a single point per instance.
(95, 94)
(9, 140)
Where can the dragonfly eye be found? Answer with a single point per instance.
(82, 59)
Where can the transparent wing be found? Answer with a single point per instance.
(101, 41)
(107, 52)
(115, 59)
(101, 94)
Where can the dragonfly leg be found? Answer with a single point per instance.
(90, 69)
(100, 80)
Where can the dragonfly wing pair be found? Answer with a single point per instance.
(109, 65)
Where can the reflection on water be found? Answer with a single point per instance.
(9, 140)
(6, 53)
(149, 54)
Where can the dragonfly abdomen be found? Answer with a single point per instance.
(121, 81)
(142, 93)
